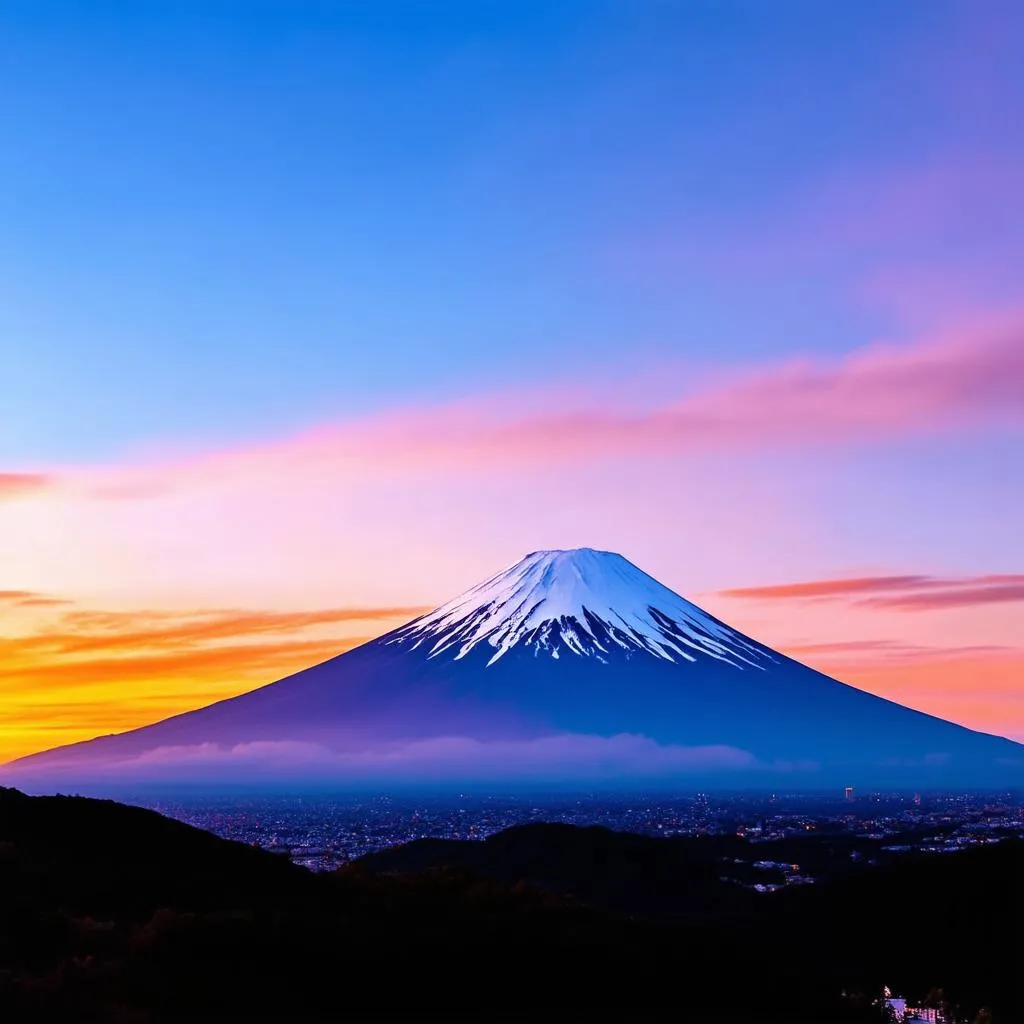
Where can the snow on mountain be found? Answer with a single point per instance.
(586, 602)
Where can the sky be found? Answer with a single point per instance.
(313, 314)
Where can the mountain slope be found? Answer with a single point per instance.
(570, 665)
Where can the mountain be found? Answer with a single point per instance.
(573, 667)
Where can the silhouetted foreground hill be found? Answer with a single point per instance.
(917, 921)
(112, 913)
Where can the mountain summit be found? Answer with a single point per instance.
(581, 602)
(570, 667)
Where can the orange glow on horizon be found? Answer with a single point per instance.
(92, 673)
(982, 691)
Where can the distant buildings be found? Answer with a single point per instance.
(900, 1012)
(323, 832)
(896, 1005)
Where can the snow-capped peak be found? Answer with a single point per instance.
(582, 601)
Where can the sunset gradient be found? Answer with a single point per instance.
(339, 309)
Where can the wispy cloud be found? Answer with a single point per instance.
(17, 485)
(87, 645)
(969, 378)
(828, 588)
(235, 665)
(118, 670)
(884, 650)
(30, 599)
(106, 631)
(902, 593)
(986, 590)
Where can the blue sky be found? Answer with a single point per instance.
(225, 220)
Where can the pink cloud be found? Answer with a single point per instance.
(813, 589)
(30, 599)
(973, 378)
(16, 485)
(902, 593)
(870, 652)
(954, 597)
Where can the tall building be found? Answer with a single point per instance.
(848, 792)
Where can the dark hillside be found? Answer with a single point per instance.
(954, 919)
(115, 914)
